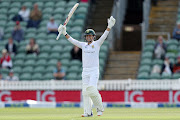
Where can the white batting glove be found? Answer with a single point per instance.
(63, 29)
(111, 22)
(60, 27)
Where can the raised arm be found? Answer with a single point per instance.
(70, 39)
(111, 22)
(73, 41)
(103, 37)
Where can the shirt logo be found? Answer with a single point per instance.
(92, 46)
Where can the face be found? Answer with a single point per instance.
(52, 20)
(160, 39)
(167, 60)
(89, 38)
(36, 6)
(10, 41)
(23, 7)
(10, 74)
(18, 26)
(58, 64)
(32, 42)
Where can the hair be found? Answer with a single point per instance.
(23, 6)
(10, 38)
(33, 40)
(35, 4)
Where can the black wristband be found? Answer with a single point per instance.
(66, 34)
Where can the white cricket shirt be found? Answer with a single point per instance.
(90, 53)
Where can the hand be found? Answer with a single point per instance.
(63, 29)
(59, 28)
(111, 22)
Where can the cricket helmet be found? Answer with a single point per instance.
(90, 32)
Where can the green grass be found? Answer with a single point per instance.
(75, 114)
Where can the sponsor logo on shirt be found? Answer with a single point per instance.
(89, 51)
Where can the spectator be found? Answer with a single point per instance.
(52, 26)
(1, 33)
(59, 73)
(6, 61)
(18, 33)
(176, 32)
(156, 69)
(11, 76)
(32, 47)
(76, 53)
(35, 17)
(160, 48)
(167, 67)
(24, 13)
(11, 47)
(1, 77)
(176, 68)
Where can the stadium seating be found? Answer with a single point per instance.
(31, 67)
(147, 60)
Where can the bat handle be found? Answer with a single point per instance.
(60, 32)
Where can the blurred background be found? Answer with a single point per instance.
(139, 60)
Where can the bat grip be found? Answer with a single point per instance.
(60, 32)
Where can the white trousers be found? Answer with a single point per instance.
(90, 77)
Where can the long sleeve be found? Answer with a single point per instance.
(102, 38)
(75, 42)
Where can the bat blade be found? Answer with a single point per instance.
(71, 13)
(68, 18)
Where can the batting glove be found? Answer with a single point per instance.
(62, 29)
(111, 22)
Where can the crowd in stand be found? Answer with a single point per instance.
(33, 19)
(160, 51)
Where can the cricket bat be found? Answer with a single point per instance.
(68, 18)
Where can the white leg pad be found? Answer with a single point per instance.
(87, 103)
(96, 97)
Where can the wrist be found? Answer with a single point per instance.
(108, 29)
(64, 33)
(109, 26)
